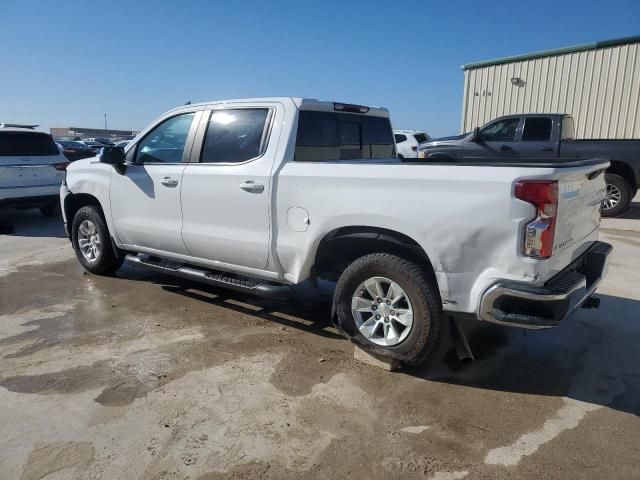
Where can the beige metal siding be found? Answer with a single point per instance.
(600, 88)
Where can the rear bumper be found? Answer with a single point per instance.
(522, 305)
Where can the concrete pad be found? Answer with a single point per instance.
(388, 364)
(152, 377)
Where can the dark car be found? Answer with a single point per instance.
(540, 138)
(76, 150)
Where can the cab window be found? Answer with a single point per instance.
(235, 135)
(500, 131)
(166, 142)
(537, 129)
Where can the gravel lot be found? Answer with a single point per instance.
(144, 376)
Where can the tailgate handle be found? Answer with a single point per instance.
(595, 174)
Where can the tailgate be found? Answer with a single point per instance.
(21, 172)
(580, 195)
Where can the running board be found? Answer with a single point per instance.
(218, 279)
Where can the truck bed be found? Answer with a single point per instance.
(502, 162)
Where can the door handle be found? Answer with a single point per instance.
(251, 186)
(505, 148)
(169, 182)
(546, 149)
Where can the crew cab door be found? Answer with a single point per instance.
(145, 195)
(538, 139)
(226, 189)
(496, 140)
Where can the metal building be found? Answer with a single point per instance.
(598, 83)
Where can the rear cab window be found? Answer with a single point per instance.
(568, 129)
(335, 136)
(32, 144)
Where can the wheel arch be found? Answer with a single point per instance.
(341, 246)
(75, 201)
(625, 171)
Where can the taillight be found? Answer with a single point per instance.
(61, 166)
(69, 150)
(414, 148)
(539, 233)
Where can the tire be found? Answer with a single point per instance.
(619, 196)
(428, 321)
(48, 210)
(89, 223)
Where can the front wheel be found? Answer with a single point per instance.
(618, 196)
(92, 242)
(389, 306)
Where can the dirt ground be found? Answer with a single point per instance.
(141, 376)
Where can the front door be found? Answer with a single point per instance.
(497, 140)
(145, 197)
(226, 191)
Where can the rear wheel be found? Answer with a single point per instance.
(92, 242)
(618, 196)
(391, 307)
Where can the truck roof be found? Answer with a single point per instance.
(529, 115)
(301, 103)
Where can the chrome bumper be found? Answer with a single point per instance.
(523, 305)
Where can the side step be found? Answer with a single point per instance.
(218, 279)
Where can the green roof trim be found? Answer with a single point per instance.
(556, 51)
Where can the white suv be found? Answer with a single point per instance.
(31, 168)
(407, 142)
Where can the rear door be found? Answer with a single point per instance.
(28, 162)
(538, 140)
(226, 189)
(145, 197)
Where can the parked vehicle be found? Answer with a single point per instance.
(259, 195)
(75, 150)
(31, 168)
(407, 142)
(101, 140)
(93, 145)
(545, 136)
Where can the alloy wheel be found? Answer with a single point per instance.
(89, 241)
(382, 311)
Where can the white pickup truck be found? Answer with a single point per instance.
(258, 195)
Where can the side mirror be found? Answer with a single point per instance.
(112, 155)
(476, 135)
